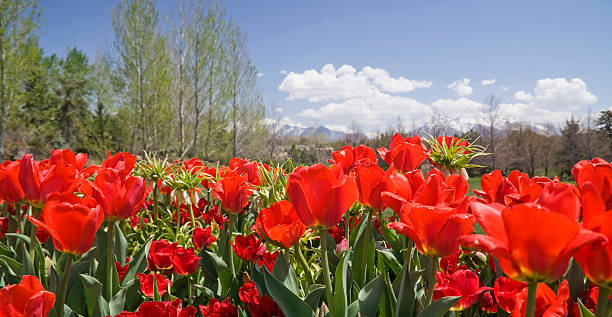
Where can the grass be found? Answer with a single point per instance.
(473, 183)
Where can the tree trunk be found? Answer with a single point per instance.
(2, 97)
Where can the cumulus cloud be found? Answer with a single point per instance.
(283, 72)
(556, 94)
(346, 82)
(375, 100)
(260, 74)
(461, 87)
(504, 88)
(487, 82)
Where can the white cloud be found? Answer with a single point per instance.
(461, 86)
(487, 82)
(558, 94)
(283, 72)
(260, 74)
(345, 83)
(338, 127)
(504, 88)
(375, 100)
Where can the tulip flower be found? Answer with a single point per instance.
(217, 308)
(122, 196)
(434, 230)
(462, 283)
(10, 188)
(404, 154)
(233, 191)
(349, 157)
(122, 270)
(259, 306)
(4, 222)
(164, 309)
(122, 162)
(268, 259)
(72, 221)
(185, 261)
(547, 302)
(37, 183)
(246, 168)
(248, 248)
(280, 224)
(160, 255)
(28, 298)
(594, 178)
(203, 237)
(372, 181)
(532, 243)
(146, 284)
(505, 290)
(321, 195)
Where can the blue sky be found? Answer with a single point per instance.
(549, 59)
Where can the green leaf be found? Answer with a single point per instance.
(27, 265)
(584, 312)
(353, 310)
(96, 305)
(11, 264)
(284, 272)
(439, 307)
(116, 304)
(121, 244)
(406, 297)
(391, 261)
(25, 238)
(138, 264)
(290, 304)
(369, 297)
(314, 297)
(340, 296)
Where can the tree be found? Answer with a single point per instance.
(143, 72)
(604, 122)
(18, 21)
(491, 111)
(549, 146)
(568, 153)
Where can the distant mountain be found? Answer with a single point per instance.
(299, 131)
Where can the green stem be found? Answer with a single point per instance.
(347, 223)
(602, 302)
(531, 299)
(304, 264)
(156, 295)
(230, 252)
(431, 281)
(61, 296)
(403, 284)
(189, 290)
(35, 214)
(110, 228)
(155, 193)
(364, 258)
(193, 223)
(328, 285)
(178, 216)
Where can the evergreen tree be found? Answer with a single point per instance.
(569, 150)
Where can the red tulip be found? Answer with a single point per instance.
(517, 188)
(248, 248)
(203, 237)
(349, 157)
(596, 259)
(10, 188)
(246, 168)
(4, 222)
(371, 182)
(462, 283)
(259, 306)
(505, 290)
(321, 195)
(532, 243)
(67, 157)
(146, 284)
(594, 178)
(404, 154)
(122, 162)
(164, 309)
(38, 184)
(72, 221)
(233, 191)
(28, 298)
(122, 270)
(268, 259)
(122, 196)
(488, 303)
(280, 224)
(185, 261)
(434, 230)
(160, 255)
(216, 308)
(547, 302)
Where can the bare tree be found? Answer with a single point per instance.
(273, 126)
(438, 123)
(492, 112)
(549, 146)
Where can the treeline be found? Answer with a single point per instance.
(547, 150)
(179, 83)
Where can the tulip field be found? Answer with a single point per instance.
(372, 233)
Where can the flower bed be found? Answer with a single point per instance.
(156, 238)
